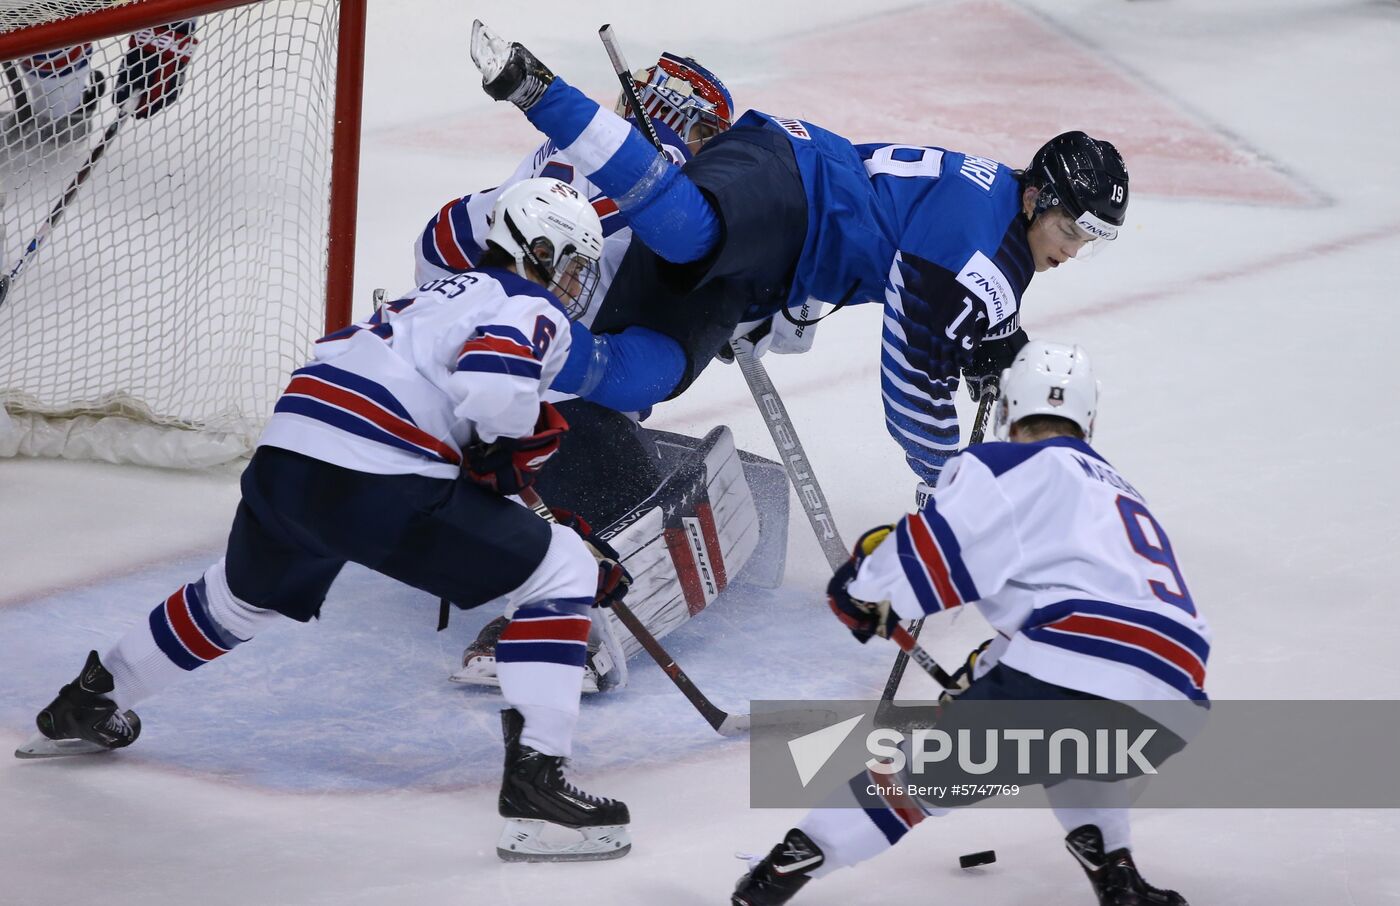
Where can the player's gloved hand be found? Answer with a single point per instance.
(508, 465)
(864, 619)
(613, 577)
(990, 359)
(962, 677)
(761, 337)
(154, 67)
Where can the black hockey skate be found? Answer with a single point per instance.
(534, 794)
(82, 720)
(509, 72)
(1114, 876)
(781, 874)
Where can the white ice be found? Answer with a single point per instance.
(1242, 328)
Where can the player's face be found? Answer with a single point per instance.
(1054, 239)
(700, 133)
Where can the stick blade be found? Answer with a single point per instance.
(734, 725)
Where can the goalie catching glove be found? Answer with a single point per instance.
(508, 465)
(863, 618)
(154, 68)
(613, 577)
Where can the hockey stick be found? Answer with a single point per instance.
(6, 281)
(990, 392)
(723, 722)
(629, 90)
(795, 461)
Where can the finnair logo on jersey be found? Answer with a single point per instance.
(793, 128)
(990, 285)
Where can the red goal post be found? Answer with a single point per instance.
(211, 244)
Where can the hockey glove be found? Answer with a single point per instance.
(509, 464)
(613, 577)
(962, 677)
(864, 619)
(990, 359)
(154, 67)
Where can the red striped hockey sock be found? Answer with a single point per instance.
(201, 621)
(539, 660)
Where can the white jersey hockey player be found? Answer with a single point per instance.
(1066, 561)
(56, 92)
(395, 448)
(606, 467)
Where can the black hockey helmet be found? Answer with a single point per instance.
(1086, 177)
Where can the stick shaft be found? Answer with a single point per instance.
(990, 392)
(795, 461)
(56, 214)
(716, 717)
(629, 90)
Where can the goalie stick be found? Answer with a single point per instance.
(765, 395)
(908, 640)
(55, 215)
(723, 722)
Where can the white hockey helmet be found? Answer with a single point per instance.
(1049, 379)
(552, 231)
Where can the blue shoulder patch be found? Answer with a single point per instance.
(1073, 443)
(516, 285)
(1002, 457)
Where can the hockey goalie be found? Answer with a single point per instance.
(690, 518)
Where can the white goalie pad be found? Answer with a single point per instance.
(685, 543)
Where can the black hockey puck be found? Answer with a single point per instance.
(972, 860)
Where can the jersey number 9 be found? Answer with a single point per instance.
(1136, 519)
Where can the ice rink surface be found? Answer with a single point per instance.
(1242, 328)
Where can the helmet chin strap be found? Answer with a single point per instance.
(523, 253)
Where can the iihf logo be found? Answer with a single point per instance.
(1057, 396)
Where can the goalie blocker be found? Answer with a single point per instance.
(718, 519)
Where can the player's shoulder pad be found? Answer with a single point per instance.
(1001, 457)
(1075, 444)
(516, 285)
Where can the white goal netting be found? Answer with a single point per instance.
(159, 319)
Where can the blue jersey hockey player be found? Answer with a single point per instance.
(395, 448)
(777, 212)
(1063, 557)
(609, 463)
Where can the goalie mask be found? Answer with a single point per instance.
(1048, 379)
(685, 97)
(554, 234)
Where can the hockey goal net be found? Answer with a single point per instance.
(210, 244)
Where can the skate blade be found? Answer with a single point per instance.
(43, 747)
(471, 676)
(477, 676)
(523, 841)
